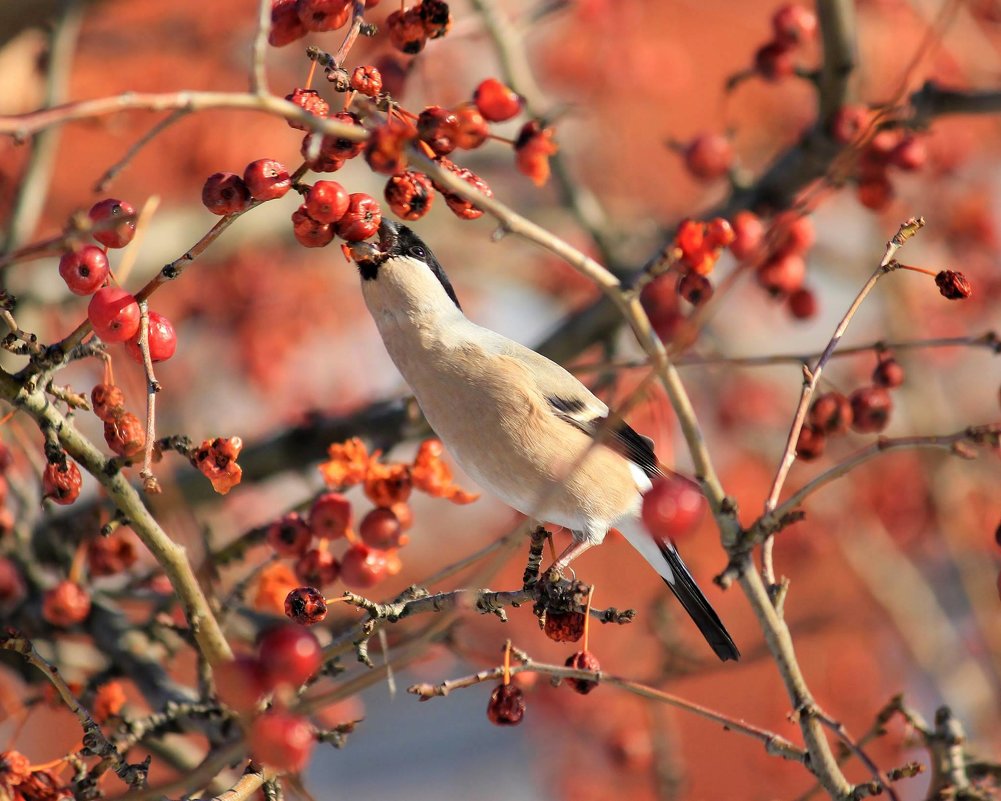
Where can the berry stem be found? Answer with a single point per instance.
(507, 662)
(900, 266)
(312, 72)
(349, 99)
(499, 138)
(587, 616)
(337, 600)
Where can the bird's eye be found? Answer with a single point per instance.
(417, 252)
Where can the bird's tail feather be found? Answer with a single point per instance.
(664, 558)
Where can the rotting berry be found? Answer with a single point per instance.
(386, 484)
(406, 31)
(286, 27)
(216, 460)
(953, 285)
(61, 483)
(125, 434)
(240, 684)
(267, 179)
(409, 194)
(84, 270)
(308, 100)
(367, 80)
(290, 535)
(281, 740)
(532, 149)
(108, 401)
(306, 606)
(104, 211)
(460, 207)
(889, 373)
(472, 130)
(317, 568)
(802, 304)
(506, 706)
(695, 288)
(66, 604)
(361, 220)
(381, 529)
(497, 102)
(326, 201)
(289, 655)
(161, 338)
(564, 626)
(308, 232)
(583, 660)
(811, 442)
(363, 567)
(385, 150)
(438, 127)
(831, 413)
(323, 15)
(673, 507)
(330, 516)
(871, 408)
(225, 193)
(436, 17)
(709, 156)
(114, 314)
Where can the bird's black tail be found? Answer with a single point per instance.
(697, 605)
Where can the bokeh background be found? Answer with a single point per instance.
(894, 570)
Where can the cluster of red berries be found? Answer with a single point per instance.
(113, 312)
(867, 410)
(792, 25)
(293, 19)
(878, 152)
(287, 657)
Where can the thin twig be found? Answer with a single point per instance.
(112, 172)
(258, 68)
(150, 484)
(856, 748)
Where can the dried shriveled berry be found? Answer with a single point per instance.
(385, 150)
(114, 314)
(709, 156)
(436, 17)
(583, 660)
(363, 567)
(888, 373)
(225, 193)
(108, 401)
(308, 232)
(61, 482)
(381, 529)
(811, 442)
(125, 434)
(438, 127)
(281, 740)
(267, 179)
(831, 413)
(406, 31)
(216, 460)
(953, 285)
(84, 270)
(289, 654)
(695, 288)
(348, 463)
(66, 604)
(564, 626)
(506, 706)
(871, 408)
(409, 194)
(386, 484)
(15, 768)
(111, 555)
(323, 15)
(326, 201)
(103, 215)
(367, 80)
(497, 102)
(317, 568)
(161, 339)
(308, 100)
(306, 606)
(289, 535)
(532, 149)
(461, 207)
(361, 220)
(286, 26)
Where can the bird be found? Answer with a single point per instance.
(520, 425)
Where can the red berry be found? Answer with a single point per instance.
(385, 150)
(281, 740)
(409, 194)
(319, 160)
(330, 516)
(289, 535)
(848, 123)
(406, 31)
(361, 220)
(125, 435)
(317, 568)
(953, 285)
(105, 211)
(267, 179)
(719, 233)
(660, 302)
(794, 24)
(564, 626)
(889, 373)
(66, 604)
(60, 483)
(782, 274)
(161, 337)
(240, 684)
(111, 555)
(108, 401)
(810, 444)
(326, 201)
(472, 128)
(709, 156)
(911, 154)
(506, 706)
(84, 270)
(438, 127)
(367, 80)
(582, 660)
(875, 192)
(225, 193)
(381, 529)
(308, 100)
(774, 61)
(802, 304)
(871, 407)
(673, 507)
(496, 102)
(339, 146)
(436, 17)
(792, 232)
(831, 413)
(289, 655)
(306, 606)
(323, 15)
(114, 314)
(309, 232)
(748, 233)
(695, 288)
(286, 26)
(362, 567)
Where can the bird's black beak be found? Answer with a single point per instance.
(371, 253)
